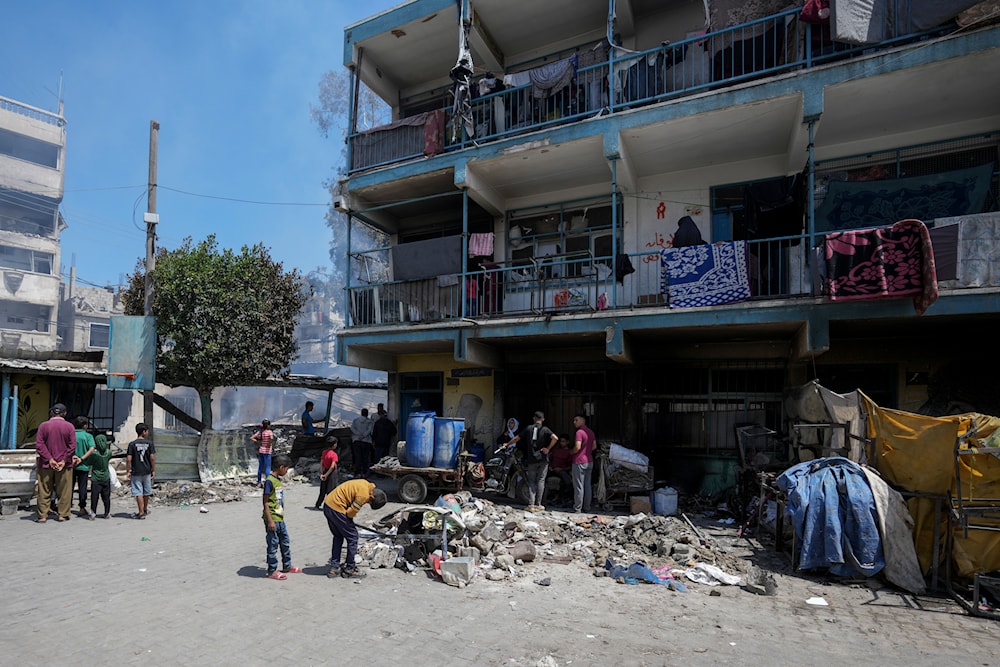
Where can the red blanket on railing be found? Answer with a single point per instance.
(881, 263)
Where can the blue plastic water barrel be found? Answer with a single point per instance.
(478, 453)
(447, 432)
(420, 439)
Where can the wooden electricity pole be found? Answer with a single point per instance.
(151, 219)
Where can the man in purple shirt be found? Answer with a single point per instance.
(56, 447)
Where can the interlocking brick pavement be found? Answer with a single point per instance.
(193, 593)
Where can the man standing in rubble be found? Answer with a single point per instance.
(583, 464)
(55, 444)
(535, 442)
(361, 436)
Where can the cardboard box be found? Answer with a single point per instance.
(640, 504)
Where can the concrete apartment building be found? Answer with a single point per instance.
(32, 172)
(553, 168)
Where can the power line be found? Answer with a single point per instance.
(241, 201)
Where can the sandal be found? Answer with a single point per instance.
(43, 520)
(277, 576)
(292, 570)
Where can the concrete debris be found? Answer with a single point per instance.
(506, 543)
(379, 554)
(501, 541)
(202, 493)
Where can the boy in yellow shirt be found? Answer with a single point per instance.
(340, 507)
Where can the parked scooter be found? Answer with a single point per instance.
(505, 471)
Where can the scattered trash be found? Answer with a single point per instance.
(818, 602)
(203, 509)
(141, 569)
(703, 573)
(144, 539)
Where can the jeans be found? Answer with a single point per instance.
(263, 466)
(102, 491)
(80, 478)
(536, 474)
(583, 474)
(343, 529)
(275, 538)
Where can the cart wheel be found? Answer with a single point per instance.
(412, 489)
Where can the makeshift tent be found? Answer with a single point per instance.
(917, 454)
(812, 403)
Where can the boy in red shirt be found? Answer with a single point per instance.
(329, 473)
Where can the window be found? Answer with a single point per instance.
(23, 259)
(24, 316)
(576, 228)
(29, 149)
(100, 335)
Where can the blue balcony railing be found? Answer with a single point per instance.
(778, 269)
(626, 79)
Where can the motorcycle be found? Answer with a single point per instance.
(505, 474)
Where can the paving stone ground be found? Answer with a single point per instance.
(185, 587)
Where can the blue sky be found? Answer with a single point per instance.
(230, 82)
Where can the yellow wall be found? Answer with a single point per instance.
(470, 396)
(33, 395)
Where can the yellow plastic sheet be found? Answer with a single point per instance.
(917, 453)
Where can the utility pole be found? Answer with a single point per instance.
(151, 219)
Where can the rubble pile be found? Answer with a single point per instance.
(502, 541)
(201, 493)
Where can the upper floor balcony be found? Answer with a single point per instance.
(32, 143)
(965, 254)
(541, 65)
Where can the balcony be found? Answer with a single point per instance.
(591, 80)
(785, 269)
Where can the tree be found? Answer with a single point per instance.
(222, 319)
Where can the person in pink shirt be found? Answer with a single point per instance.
(265, 446)
(583, 464)
(55, 443)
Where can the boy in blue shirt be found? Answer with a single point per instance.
(274, 521)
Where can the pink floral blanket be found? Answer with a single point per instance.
(883, 262)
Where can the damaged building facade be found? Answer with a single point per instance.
(656, 213)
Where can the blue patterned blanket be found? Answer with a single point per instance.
(705, 275)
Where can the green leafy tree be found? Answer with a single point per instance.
(223, 319)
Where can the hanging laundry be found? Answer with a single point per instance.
(552, 77)
(882, 263)
(481, 245)
(705, 275)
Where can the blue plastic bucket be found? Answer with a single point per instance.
(447, 433)
(420, 439)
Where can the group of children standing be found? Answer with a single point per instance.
(94, 454)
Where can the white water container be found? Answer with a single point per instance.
(665, 501)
